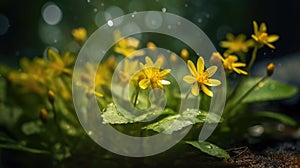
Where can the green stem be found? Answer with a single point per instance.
(246, 94)
(253, 58)
(136, 96)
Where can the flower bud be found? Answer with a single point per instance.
(43, 115)
(270, 69)
(184, 54)
(51, 96)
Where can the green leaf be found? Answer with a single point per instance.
(210, 149)
(114, 115)
(173, 123)
(32, 127)
(266, 90)
(276, 116)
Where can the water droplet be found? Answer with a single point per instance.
(90, 132)
(169, 27)
(209, 146)
(256, 130)
(88, 1)
(186, 5)
(95, 10)
(102, 4)
(200, 20)
(110, 23)
(55, 40)
(164, 10)
(265, 53)
(178, 23)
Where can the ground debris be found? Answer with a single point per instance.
(285, 155)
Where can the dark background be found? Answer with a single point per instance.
(215, 17)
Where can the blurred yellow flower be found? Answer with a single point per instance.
(60, 64)
(129, 69)
(200, 78)
(127, 46)
(230, 63)
(237, 44)
(79, 34)
(153, 75)
(261, 36)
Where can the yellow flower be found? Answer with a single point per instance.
(236, 44)
(153, 75)
(61, 64)
(201, 78)
(230, 63)
(127, 46)
(261, 36)
(129, 69)
(79, 34)
(93, 85)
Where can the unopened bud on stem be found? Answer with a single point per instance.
(51, 96)
(270, 69)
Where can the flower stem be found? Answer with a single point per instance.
(187, 95)
(239, 101)
(136, 96)
(253, 58)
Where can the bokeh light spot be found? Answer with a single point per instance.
(4, 24)
(51, 13)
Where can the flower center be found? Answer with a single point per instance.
(202, 77)
(263, 37)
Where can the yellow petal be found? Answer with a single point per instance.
(144, 84)
(165, 82)
(239, 71)
(270, 45)
(192, 68)
(98, 94)
(195, 90)
(200, 65)
(254, 37)
(230, 36)
(255, 27)
(165, 72)
(148, 61)
(263, 27)
(207, 91)
(225, 44)
(55, 57)
(272, 38)
(211, 70)
(239, 64)
(189, 79)
(213, 82)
